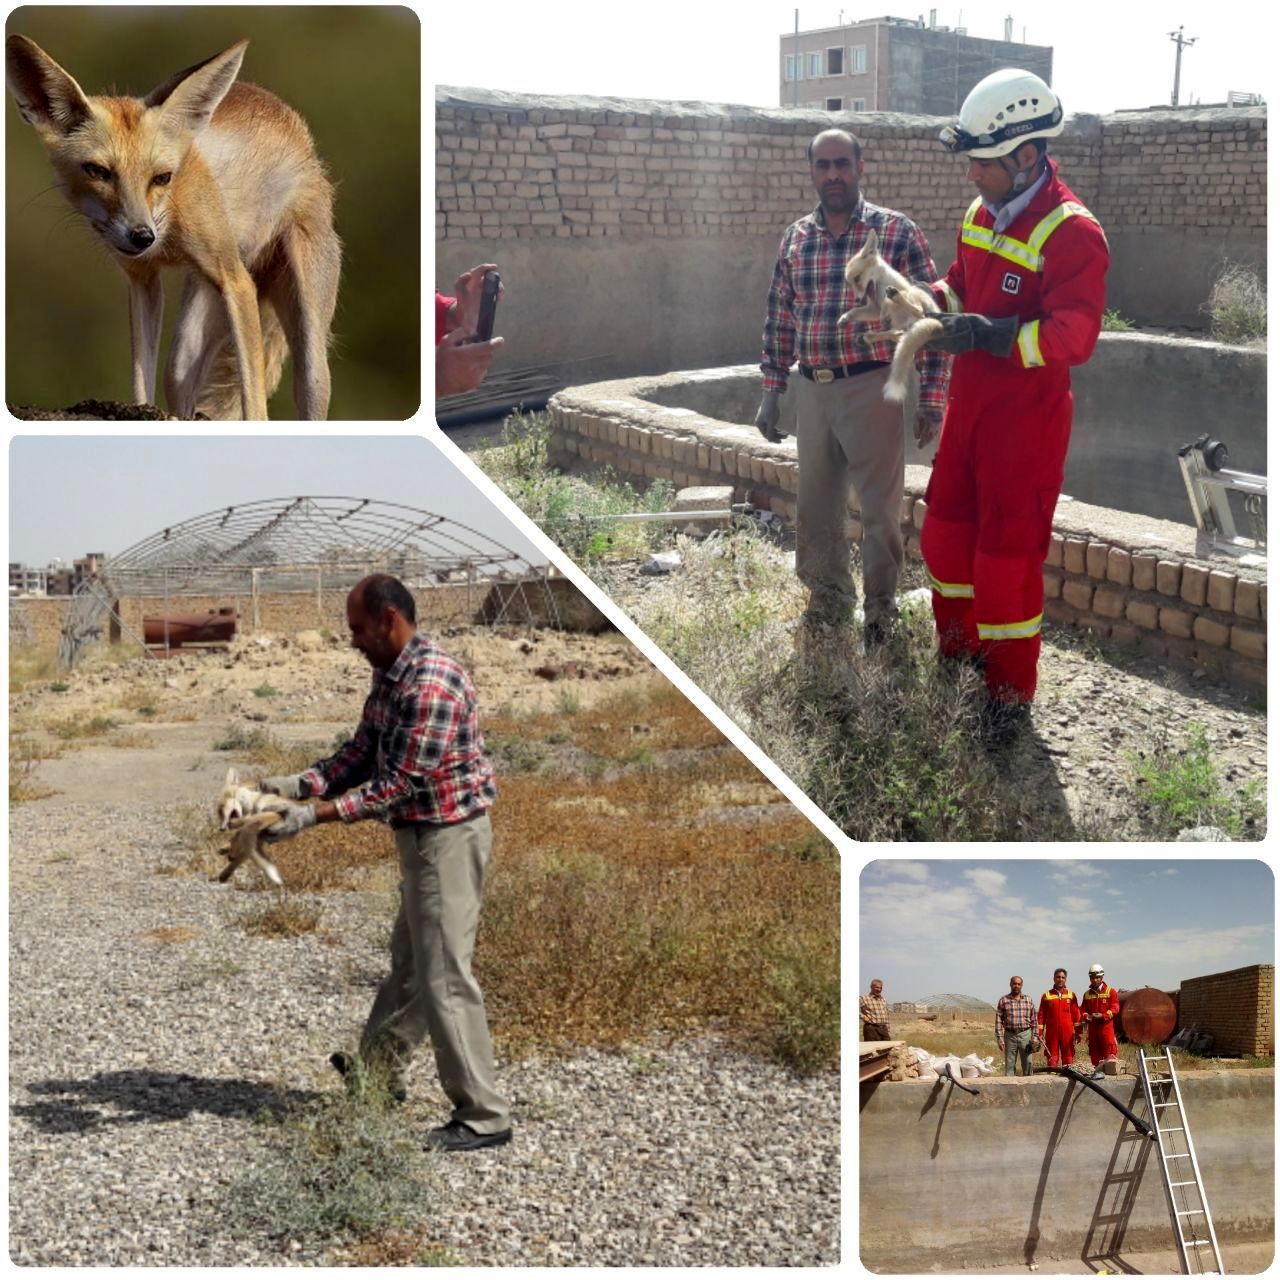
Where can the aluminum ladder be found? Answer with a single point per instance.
(1184, 1188)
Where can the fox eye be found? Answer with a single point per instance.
(97, 171)
(161, 179)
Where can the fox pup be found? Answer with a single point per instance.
(217, 177)
(247, 813)
(904, 308)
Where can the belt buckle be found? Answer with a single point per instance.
(824, 375)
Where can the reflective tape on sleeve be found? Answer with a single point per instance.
(1029, 345)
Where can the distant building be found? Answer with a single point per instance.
(909, 1006)
(26, 581)
(56, 578)
(896, 64)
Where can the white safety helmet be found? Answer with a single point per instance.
(1096, 968)
(1002, 111)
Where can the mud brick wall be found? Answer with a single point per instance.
(1238, 1007)
(557, 603)
(1125, 579)
(638, 236)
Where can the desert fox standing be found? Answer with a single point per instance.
(222, 179)
(892, 299)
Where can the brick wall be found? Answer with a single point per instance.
(675, 190)
(1238, 1007)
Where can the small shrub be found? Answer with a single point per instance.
(74, 728)
(333, 1167)
(59, 686)
(1179, 787)
(236, 737)
(266, 691)
(24, 757)
(1114, 322)
(1237, 306)
(284, 917)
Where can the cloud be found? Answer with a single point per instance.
(917, 871)
(1074, 903)
(1071, 872)
(986, 879)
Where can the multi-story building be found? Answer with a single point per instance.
(26, 581)
(896, 64)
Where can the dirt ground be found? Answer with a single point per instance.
(309, 689)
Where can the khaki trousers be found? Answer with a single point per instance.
(430, 990)
(847, 433)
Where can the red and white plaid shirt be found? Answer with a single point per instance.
(808, 295)
(417, 755)
(1014, 1013)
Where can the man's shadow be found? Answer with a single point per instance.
(150, 1097)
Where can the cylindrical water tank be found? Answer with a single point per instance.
(1147, 1015)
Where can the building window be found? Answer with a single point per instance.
(857, 59)
(835, 62)
(833, 104)
(859, 104)
(814, 71)
(790, 73)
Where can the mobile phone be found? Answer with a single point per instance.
(488, 306)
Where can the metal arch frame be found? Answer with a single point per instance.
(344, 537)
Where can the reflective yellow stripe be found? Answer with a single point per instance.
(953, 590)
(1055, 218)
(1011, 630)
(950, 298)
(1029, 344)
(1026, 253)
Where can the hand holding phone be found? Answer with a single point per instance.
(488, 306)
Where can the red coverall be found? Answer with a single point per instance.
(1057, 1019)
(1104, 1003)
(999, 465)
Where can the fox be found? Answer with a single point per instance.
(222, 179)
(248, 813)
(904, 308)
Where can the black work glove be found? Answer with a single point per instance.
(968, 332)
(767, 416)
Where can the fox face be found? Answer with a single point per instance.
(863, 265)
(118, 158)
(231, 805)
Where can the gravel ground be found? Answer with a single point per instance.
(138, 1061)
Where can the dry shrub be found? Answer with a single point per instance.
(333, 856)
(31, 664)
(408, 1248)
(1237, 306)
(600, 927)
(283, 917)
(24, 756)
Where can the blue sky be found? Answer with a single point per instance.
(966, 926)
(72, 494)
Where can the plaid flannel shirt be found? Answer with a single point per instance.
(418, 755)
(808, 295)
(874, 1009)
(1014, 1013)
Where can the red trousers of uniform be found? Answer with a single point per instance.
(1102, 1042)
(991, 498)
(1058, 1017)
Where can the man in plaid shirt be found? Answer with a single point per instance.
(1016, 1028)
(845, 430)
(875, 1013)
(417, 762)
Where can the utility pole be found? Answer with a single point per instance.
(1176, 37)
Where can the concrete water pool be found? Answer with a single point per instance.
(1123, 563)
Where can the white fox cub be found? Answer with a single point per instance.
(220, 178)
(247, 813)
(904, 308)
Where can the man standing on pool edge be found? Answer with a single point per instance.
(1024, 301)
(845, 430)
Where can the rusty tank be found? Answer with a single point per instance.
(190, 628)
(1147, 1015)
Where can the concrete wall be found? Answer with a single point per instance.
(1238, 1007)
(637, 237)
(1019, 1173)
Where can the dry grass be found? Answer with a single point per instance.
(169, 934)
(24, 758)
(413, 1247)
(627, 901)
(274, 757)
(282, 917)
(1237, 306)
(32, 664)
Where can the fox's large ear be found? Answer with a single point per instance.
(872, 242)
(192, 95)
(233, 778)
(46, 95)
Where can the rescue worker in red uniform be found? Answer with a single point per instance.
(1057, 1020)
(1101, 1008)
(1023, 302)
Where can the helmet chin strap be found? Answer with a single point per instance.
(1020, 177)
